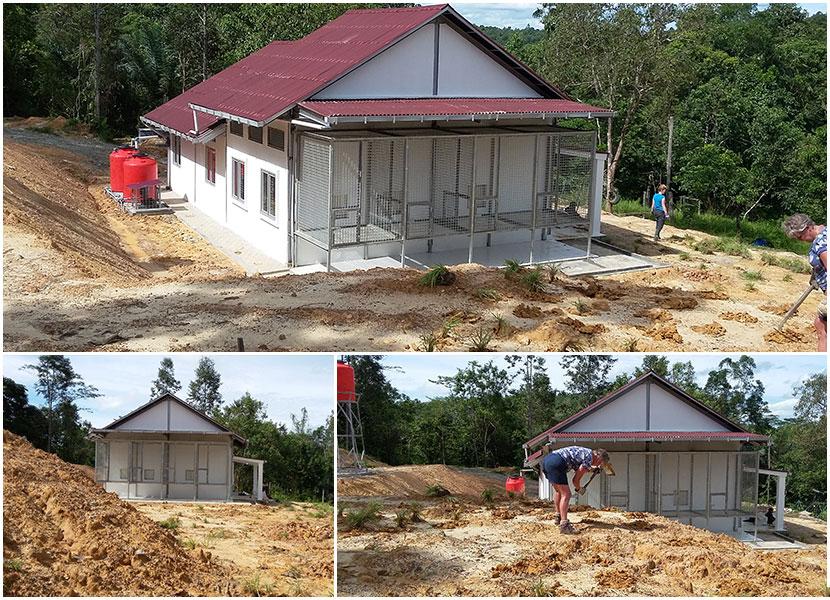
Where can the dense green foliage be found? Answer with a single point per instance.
(299, 459)
(490, 409)
(746, 88)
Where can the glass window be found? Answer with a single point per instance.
(276, 138)
(176, 145)
(255, 134)
(268, 200)
(238, 190)
(210, 164)
(236, 128)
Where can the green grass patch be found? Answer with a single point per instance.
(791, 263)
(189, 544)
(437, 275)
(173, 523)
(256, 586)
(488, 495)
(437, 491)
(724, 227)
(626, 208)
(480, 340)
(752, 276)
(13, 564)
(428, 342)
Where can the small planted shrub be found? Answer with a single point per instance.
(582, 307)
(401, 519)
(512, 268)
(415, 514)
(630, 345)
(752, 276)
(487, 495)
(437, 491)
(750, 286)
(256, 586)
(359, 517)
(428, 342)
(189, 544)
(449, 325)
(502, 324)
(533, 280)
(172, 523)
(437, 275)
(480, 340)
(553, 270)
(488, 294)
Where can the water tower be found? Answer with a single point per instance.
(349, 427)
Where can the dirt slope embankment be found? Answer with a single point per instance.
(63, 535)
(515, 549)
(413, 481)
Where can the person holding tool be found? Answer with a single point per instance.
(556, 466)
(660, 209)
(801, 227)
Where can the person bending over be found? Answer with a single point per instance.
(556, 466)
(801, 227)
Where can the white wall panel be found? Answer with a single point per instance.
(669, 413)
(183, 419)
(626, 413)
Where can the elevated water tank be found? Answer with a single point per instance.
(117, 158)
(345, 383)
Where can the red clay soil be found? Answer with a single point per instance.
(63, 535)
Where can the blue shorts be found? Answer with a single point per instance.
(555, 469)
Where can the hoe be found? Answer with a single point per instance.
(609, 470)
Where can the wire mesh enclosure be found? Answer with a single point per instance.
(359, 188)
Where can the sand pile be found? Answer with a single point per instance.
(64, 535)
(413, 481)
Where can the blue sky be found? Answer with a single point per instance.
(520, 14)
(779, 373)
(285, 384)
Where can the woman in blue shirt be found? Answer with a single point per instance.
(660, 209)
(801, 227)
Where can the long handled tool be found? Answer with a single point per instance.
(813, 286)
(608, 469)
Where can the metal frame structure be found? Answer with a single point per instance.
(360, 188)
(741, 483)
(348, 407)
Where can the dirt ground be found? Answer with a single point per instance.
(64, 535)
(80, 276)
(271, 550)
(458, 546)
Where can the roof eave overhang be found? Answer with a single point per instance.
(197, 138)
(103, 432)
(231, 117)
(494, 116)
(576, 437)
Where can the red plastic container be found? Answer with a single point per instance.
(140, 169)
(515, 484)
(345, 383)
(117, 158)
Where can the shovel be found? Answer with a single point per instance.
(813, 286)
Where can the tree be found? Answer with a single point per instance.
(812, 398)
(733, 391)
(651, 362)
(22, 418)
(204, 392)
(587, 376)
(61, 387)
(166, 382)
(613, 54)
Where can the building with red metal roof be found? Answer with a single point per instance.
(368, 138)
(670, 454)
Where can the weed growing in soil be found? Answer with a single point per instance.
(787, 278)
(415, 514)
(511, 268)
(750, 287)
(553, 270)
(217, 533)
(358, 517)
(581, 306)
(173, 523)
(428, 342)
(449, 325)
(321, 510)
(630, 345)
(13, 564)
(293, 572)
(189, 544)
(480, 340)
(540, 590)
(488, 495)
(256, 586)
(437, 275)
(752, 276)
(684, 256)
(437, 491)
(729, 246)
(502, 324)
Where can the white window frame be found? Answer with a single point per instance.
(263, 211)
(237, 198)
(208, 151)
(176, 147)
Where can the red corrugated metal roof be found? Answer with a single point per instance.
(272, 80)
(278, 76)
(448, 106)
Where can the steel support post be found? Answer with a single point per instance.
(330, 207)
(472, 205)
(591, 192)
(534, 191)
(404, 210)
(708, 486)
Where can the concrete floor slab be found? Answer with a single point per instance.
(232, 245)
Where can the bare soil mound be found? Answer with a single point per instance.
(413, 481)
(63, 535)
(515, 549)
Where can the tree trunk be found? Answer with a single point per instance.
(609, 175)
(97, 78)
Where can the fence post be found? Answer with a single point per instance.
(472, 203)
(534, 193)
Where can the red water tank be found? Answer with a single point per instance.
(117, 158)
(345, 383)
(140, 169)
(515, 484)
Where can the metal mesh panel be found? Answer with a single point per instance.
(564, 179)
(367, 197)
(514, 203)
(313, 190)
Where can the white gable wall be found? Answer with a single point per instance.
(669, 413)
(155, 418)
(183, 419)
(407, 70)
(626, 413)
(152, 419)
